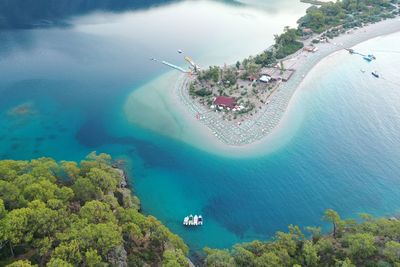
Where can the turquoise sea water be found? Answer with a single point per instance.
(62, 91)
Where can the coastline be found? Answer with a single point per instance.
(177, 115)
(266, 122)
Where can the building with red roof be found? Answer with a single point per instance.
(224, 101)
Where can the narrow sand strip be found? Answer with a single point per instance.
(261, 124)
(174, 114)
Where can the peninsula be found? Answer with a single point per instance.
(243, 103)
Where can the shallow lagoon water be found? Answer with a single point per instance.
(343, 156)
(74, 82)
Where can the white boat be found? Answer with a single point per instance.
(180, 51)
(191, 220)
(367, 58)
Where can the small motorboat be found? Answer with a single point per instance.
(367, 58)
(375, 74)
(180, 51)
(362, 70)
(195, 219)
(200, 220)
(186, 220)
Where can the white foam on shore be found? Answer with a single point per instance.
(157, 107)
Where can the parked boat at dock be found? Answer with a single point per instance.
(369, 58)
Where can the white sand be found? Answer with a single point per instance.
(162, 106)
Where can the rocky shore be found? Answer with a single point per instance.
(124, 191)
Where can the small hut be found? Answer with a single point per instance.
(277, 74)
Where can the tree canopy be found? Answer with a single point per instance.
(48, 218)
(371, 242)
(349, 13)
(69, 214)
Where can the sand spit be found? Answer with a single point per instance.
(164, 106)
(262, 123)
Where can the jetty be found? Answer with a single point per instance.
(174, 66)
(171, 65)
(191, 220)
(368, 57)
(313, 2)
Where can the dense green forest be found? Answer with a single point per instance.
(370, 242)
(68, 214)
(348, 13)
(331, 18)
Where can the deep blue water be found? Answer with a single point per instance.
(61, 95)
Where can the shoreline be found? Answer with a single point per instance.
(158, 107)
(256, 130)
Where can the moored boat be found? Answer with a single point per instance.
(191, 220)
(367, 58)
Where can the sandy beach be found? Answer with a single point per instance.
(267, 130)
(264, 122)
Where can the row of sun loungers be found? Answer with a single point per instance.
(231, 132)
